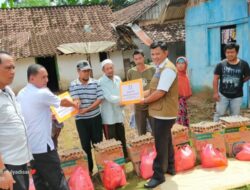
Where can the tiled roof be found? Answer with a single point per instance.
(132, 12)
(170, 32)
(34, 32)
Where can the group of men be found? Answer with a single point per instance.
(26, 123)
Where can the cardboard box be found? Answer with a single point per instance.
(215, 138)
(180, 138)
(136, 167)
(245, 134)
(115, 155)
(234, 136)
(70, 166)
(72, 158)
(134, 152)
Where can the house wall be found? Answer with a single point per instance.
(175, 49)
(67, 66)
(203, 24)
(20, 79)
(154, 12)
(117, 58)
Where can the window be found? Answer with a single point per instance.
(103, 56)
(228, 35)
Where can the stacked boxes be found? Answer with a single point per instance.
(237, 132)
(208, 133)
(70, 159)
(180, 135)
(109, 150)
(135, 148)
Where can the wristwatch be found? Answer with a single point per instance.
(3, 170)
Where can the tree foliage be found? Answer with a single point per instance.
(114, 4)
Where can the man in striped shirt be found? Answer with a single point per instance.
(88, 93)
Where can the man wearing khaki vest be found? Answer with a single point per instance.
(162, 99)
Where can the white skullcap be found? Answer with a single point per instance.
(106, 61)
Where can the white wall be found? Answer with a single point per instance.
(20, 79)
(67, 68)
(117, 58)
(96, 65)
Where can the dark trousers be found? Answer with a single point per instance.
(20, 175)
(90, 131)
(116, 131)
(48, 173)
(164, 147)
(141, 117)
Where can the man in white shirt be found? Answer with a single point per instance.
(36, 99)
(111, 110)
(14, 148)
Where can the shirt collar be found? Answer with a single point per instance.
(108, 79)
(89, 81)
(162, 65)
(5, 89)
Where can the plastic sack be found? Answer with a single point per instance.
(146, 166)
(244, 154)
(80, 180)
(184, 158)
(113, 176)
(211, 157)
(32, 185)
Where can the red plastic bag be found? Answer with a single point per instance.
(244, 154)
(184, 158)
(32, 185)
(211, 157)
(80, 180)
(146, 166)
(113, 176)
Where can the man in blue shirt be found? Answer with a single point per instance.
(88, 93)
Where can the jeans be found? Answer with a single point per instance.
(233, 104)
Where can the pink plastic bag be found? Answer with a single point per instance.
(113, 176)
(184, 158)
(211, 157)
(146, 166)
(244, 154)
(32, 185)
(80, 180)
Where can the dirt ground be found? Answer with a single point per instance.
(200, 106)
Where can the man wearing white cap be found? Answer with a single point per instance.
(111, 110)
(88, 93)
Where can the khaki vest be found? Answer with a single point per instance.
(167, 106)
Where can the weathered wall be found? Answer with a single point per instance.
(203, 24)
(20, 79)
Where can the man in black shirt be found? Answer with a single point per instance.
(229, 74)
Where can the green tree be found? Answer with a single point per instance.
(33, 3)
